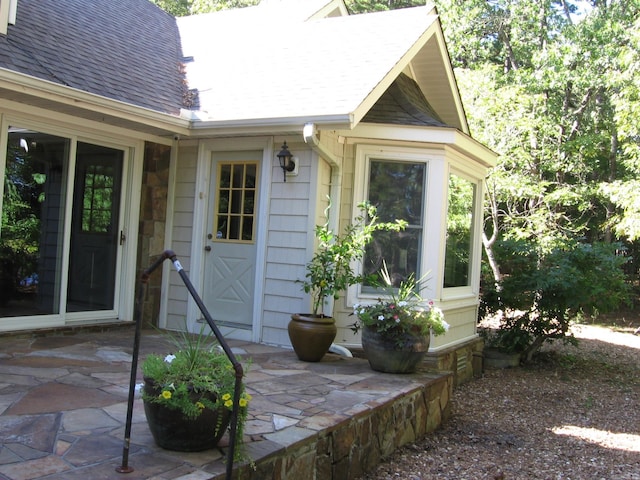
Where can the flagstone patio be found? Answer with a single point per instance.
(63, 405)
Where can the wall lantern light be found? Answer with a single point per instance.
(287, 163)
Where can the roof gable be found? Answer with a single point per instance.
(329, 71)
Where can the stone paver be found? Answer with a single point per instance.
(63, 404)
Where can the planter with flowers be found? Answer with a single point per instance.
(188, 394)
(329, 273)
(397, 329)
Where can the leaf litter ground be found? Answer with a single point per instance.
(573, 415)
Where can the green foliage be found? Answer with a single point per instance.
(364, 6)
(544, 290)
(330, 271)
(20, 225)
(197, 375)
(181, 8)
(402, 311)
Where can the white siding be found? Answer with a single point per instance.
(290, 219)
(182, 233)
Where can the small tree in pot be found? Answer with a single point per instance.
(329, 273)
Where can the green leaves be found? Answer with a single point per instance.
(330, 271)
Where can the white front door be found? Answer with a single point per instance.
(230, 249)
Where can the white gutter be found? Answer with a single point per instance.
(74, 98)
(202, 125)
(310, 135)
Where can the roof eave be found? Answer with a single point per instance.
(88, 105)
(263, 126)
(446, 136)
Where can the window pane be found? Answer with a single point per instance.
(247, 228)
(97, 198)
(234, 228)
(250, 179)
(397, 190)
(460, 217)
(31, 236)
(223, 201)
(225, 176)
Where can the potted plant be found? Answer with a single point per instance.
(188, 395)
(397, 329)
(329, 273)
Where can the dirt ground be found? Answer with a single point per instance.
(573, 415)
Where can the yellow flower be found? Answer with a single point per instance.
(228, 403)
(200, 405)
(243, 402)
(166, 394)
(226, 396)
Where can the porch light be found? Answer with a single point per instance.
(286, 160)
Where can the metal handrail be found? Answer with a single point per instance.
(169, 254)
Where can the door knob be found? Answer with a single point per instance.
(207, 248)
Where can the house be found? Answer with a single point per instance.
(125, 132)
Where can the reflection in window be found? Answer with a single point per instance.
(397, 190)
(460, 219)
(33, 216)
(97, 198)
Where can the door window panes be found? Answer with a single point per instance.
(94, 229)
(236, 193)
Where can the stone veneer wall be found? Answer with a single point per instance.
(357, 445)
(153, 216)
(464, 360)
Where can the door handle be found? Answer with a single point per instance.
(207, 248)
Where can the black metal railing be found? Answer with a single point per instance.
(169, 254)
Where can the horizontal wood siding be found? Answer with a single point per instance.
(182, 233)
(462, 325)
(287, 249)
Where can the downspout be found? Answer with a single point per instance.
(310, 135)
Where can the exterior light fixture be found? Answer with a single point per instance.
(286, 160)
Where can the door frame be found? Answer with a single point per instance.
(133, 156)
(201, 215)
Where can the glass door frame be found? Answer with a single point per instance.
(125, 268)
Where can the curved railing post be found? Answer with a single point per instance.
(169, 254)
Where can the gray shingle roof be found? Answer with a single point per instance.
(403, 104)
(277, 63)
(128, 50)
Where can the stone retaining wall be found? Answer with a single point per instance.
(357, 445)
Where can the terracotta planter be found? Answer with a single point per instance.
(173, 431)
(392, 356)
(311, 336)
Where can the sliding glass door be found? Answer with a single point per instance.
(61, 226)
